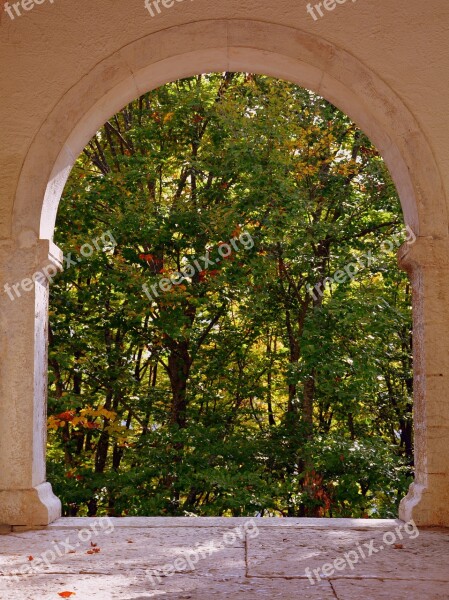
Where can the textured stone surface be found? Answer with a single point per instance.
(126, 586)
(288, 553)
(169, 522)
(266, 566)
(390, 590)
(131, 549)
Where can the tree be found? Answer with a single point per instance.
(203, 357)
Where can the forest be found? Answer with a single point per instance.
(238, 341)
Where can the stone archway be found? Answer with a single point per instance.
(215, 45)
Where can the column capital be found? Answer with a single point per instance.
(44, 249)
(20, 260)
(426, 253)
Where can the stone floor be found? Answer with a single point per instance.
(218, 559)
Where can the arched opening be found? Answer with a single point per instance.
(232, 375)
(166, 56)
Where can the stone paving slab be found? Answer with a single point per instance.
(210, 549)
(288, 553)
(390, 590)
(168, 522)
(126, 587)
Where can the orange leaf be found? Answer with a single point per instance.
(66, 594)
(66, 416)
(30, 558)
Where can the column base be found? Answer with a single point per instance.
(427, 507)
(35, 507)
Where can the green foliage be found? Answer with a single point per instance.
(235, 391)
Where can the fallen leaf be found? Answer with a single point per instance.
(30, 558)
(398, 546)
(66, 594)
(93, 551)
(93, 545)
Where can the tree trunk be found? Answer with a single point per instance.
(179, 363)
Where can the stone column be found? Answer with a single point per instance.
(427, 263)
(25, 497)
